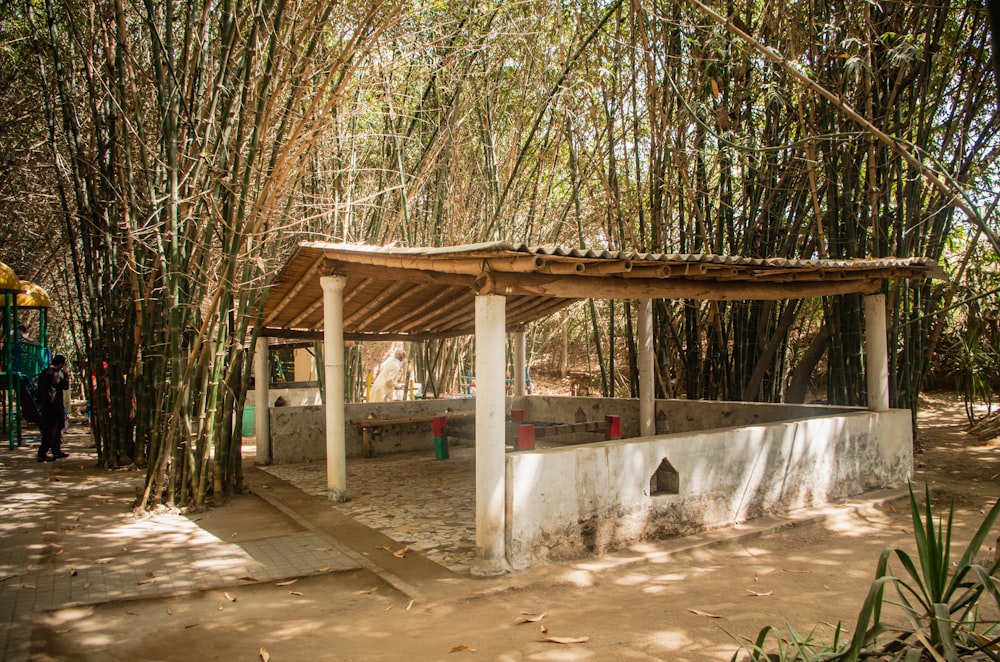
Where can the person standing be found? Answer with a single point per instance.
(385, 382)
(52, 382)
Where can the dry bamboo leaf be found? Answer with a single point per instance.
(248, 578)
(566, 640)
(698, 612)
(462, 649)
(287, 583)
(389, 607)
(59, 552)
(130, 612)
(409, 605)
(188, 626)
(400, 553)
(529, 618)
(388, 549)
(229, 597)
(543, 629)
(102, 561)
(295, 593)
(235, 534)
(27, 586)
(142, 582)
(758, 594)
(323, 549)
(325, 568)
(264, 655)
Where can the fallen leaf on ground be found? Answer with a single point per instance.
(528, 617)
(248, 578)
(229, 597)
(323, 549)
(221, 608)
(389, 607)
(758, 594)
(27, 586)
(190, 625)
(400, 553)
(264, 655)
(566, 640)
(409, 605)
(462, 649)
(73, 572)
(169, 612)
(130, 612)
(698, 612)
(144, 581)
(86, 585)
(543, 629)
(288, 583)
(366, 591)
(149, 573)
(102, 561)
(295, 593)
(235, 534)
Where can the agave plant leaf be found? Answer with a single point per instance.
(944, 631)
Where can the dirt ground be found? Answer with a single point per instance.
(672, 600)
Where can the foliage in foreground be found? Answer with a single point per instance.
(939, 602)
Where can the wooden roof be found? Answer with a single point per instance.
(422, 293)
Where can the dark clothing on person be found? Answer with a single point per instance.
(51, 383)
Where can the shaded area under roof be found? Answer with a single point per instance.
(423, 293)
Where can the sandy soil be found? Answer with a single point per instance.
(648, 603)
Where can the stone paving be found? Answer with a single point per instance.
(415, 499)
(67, 542)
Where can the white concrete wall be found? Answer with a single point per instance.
(579, 500)
(298, 434)
(297, 396)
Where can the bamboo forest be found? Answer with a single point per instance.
(160, 160)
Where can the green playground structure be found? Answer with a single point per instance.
(21, 359)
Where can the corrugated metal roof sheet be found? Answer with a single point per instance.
(426, 292)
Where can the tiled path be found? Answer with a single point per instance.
(66, 541)
(415, 499)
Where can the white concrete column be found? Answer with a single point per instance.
(876, 342)
(520, 361)
(647, 384)
(262, 400)
(333, 363)
(491, 463)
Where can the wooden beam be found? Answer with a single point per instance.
(582, 287)
(290, 296)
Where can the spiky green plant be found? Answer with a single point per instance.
(939, 599)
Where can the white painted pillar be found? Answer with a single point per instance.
(333, 363)
(876, 342)
(491, 463)
(520, 361)
(647, 384)
(262, 401)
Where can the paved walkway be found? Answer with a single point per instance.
(413, 498)
(67, 538)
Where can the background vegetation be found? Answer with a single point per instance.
(159, 159)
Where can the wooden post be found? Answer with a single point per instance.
(333, 360)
